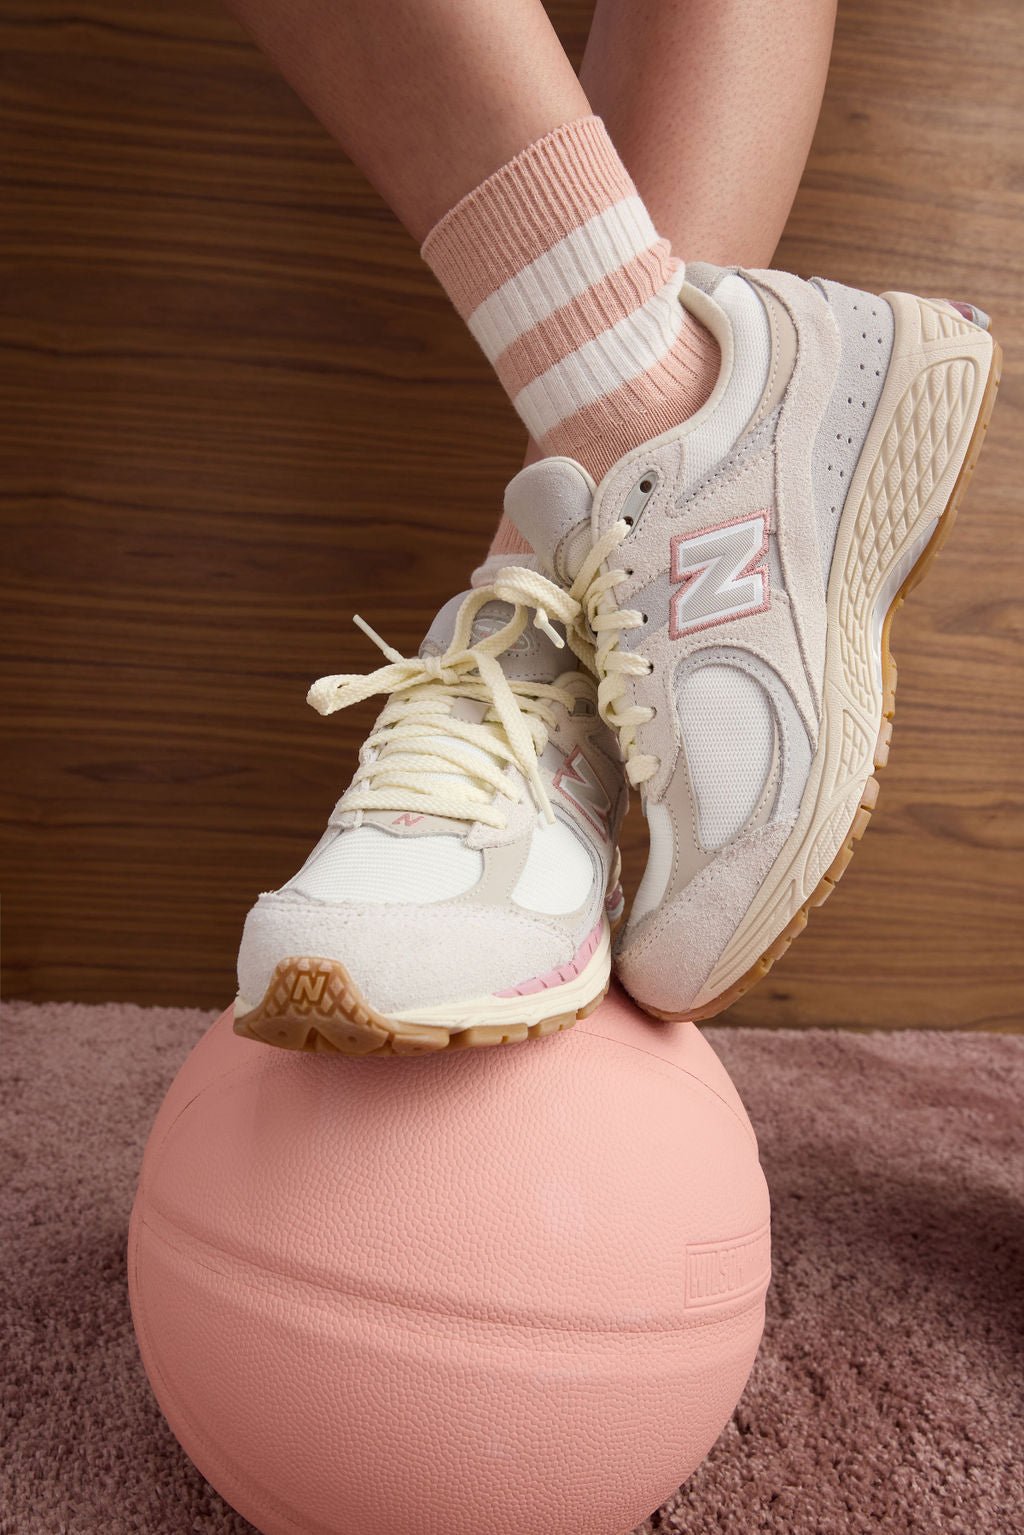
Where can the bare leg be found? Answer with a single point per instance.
(712, 104)
(427, 98)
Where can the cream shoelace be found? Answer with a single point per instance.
(421, 757)
(599, 615)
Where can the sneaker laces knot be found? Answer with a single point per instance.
(424, 757)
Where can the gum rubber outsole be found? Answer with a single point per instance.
(314, 1005)
(761, 966)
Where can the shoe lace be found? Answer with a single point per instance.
(421, 756)
(594, 624)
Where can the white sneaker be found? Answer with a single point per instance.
(740, 574)
(464, 891)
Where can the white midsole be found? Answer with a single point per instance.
(852, 695)
(552, 1001)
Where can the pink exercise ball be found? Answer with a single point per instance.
(514, 1289)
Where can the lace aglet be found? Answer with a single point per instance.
(543, 623)
(381, 644)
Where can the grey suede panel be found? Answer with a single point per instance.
(756, 442)
(549, 502)
(665, 958)
(404, 956)
(504, 865)
(812, 382)
(702, 275)
(439, 636)
(866, 328)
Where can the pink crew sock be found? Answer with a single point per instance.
(555, 266)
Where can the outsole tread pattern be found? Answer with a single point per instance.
(313, 1005)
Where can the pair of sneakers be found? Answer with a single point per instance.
(710, 626)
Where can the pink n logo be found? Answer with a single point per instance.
(579, 783)
(406, 819)
(724, 574)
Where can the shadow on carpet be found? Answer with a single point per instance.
(887, 1396)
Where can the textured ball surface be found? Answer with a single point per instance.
(519, 1287)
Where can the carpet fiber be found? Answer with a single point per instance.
(887, 1395)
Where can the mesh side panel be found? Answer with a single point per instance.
(558, 875)
(368, 866)
(729, 732)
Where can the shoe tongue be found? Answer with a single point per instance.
(550, 503)
(531, 658)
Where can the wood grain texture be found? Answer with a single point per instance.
(234, 406)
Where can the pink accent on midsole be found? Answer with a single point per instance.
(970, 312)
(563, 973)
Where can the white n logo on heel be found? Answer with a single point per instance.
(724, 574)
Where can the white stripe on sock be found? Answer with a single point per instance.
(626, 351)
(596, 249)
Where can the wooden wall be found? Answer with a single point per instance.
(233, 406)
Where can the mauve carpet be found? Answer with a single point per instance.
(888, 1392)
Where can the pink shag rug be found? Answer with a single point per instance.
(887, 1397)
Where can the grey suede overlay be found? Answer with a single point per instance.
(867, 327)
(669, 954)
(813, 379)
(549, 502)
(706, 277)
(404, 956)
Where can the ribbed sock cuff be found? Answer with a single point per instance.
(549, 189)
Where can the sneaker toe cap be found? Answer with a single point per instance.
(402, 957)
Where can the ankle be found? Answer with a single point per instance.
(556, 267)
